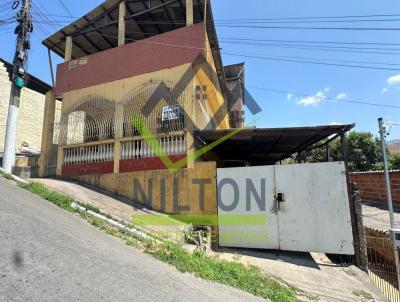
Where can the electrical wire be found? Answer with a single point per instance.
(325, 98)
(261, 57)
(314, 28)
(345, 49)
(309, 62)
(241, 20)
(65, 8)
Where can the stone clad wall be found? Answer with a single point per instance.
(372, 186)
(30, 121)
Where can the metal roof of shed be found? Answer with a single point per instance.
(267, 146)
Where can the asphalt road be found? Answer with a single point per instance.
(47, 254)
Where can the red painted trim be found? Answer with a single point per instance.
(171, 49)
(88, 169)
(145, 164)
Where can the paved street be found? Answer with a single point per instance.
(48, 254)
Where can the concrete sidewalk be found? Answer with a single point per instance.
(119, 208)
(313, 273)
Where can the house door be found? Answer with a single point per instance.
(305, 208)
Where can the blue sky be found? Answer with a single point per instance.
(321, 82)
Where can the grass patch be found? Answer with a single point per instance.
(249, 279)
(237, 275)
(58, 199)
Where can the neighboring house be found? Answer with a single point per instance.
(30, 121)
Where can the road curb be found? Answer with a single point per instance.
(141, 236)
(16, 178)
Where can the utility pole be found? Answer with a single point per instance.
(18, 81)
(393, 231)
(382, 132)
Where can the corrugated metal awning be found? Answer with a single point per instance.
(266, 146)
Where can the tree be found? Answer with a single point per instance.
(394, 161)
(364, 152)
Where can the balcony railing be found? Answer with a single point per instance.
(89, 154)
(171, 145)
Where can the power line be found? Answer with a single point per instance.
(320, 48)
(241, 20)
(65, 8)
(313, 42)
(263, 57)
(329, 48)
(166, 22)
(231, 40)
(338, 60)
(314, 28)
(325, 98)
(309, 62)
(320, 17)
(315, 46)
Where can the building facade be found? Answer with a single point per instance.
(147, 102)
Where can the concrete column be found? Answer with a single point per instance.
(117, 155)
(48, 131)
(190, 126)
(68, 49)
(189, 12)
(118, 122)
(60, 159)
(121, 24)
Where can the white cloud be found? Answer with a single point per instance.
(341, 96)
(327, 89)
(384, 90)
(313, 100)
(289, 96)
(335, 123)
(394, 80)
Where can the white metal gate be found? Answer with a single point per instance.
(289, 207)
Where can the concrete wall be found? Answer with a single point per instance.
(30, 122)
(171, 193)
(372, 186)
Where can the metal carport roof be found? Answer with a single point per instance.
(266, 146)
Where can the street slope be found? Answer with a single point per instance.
(48, 254)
